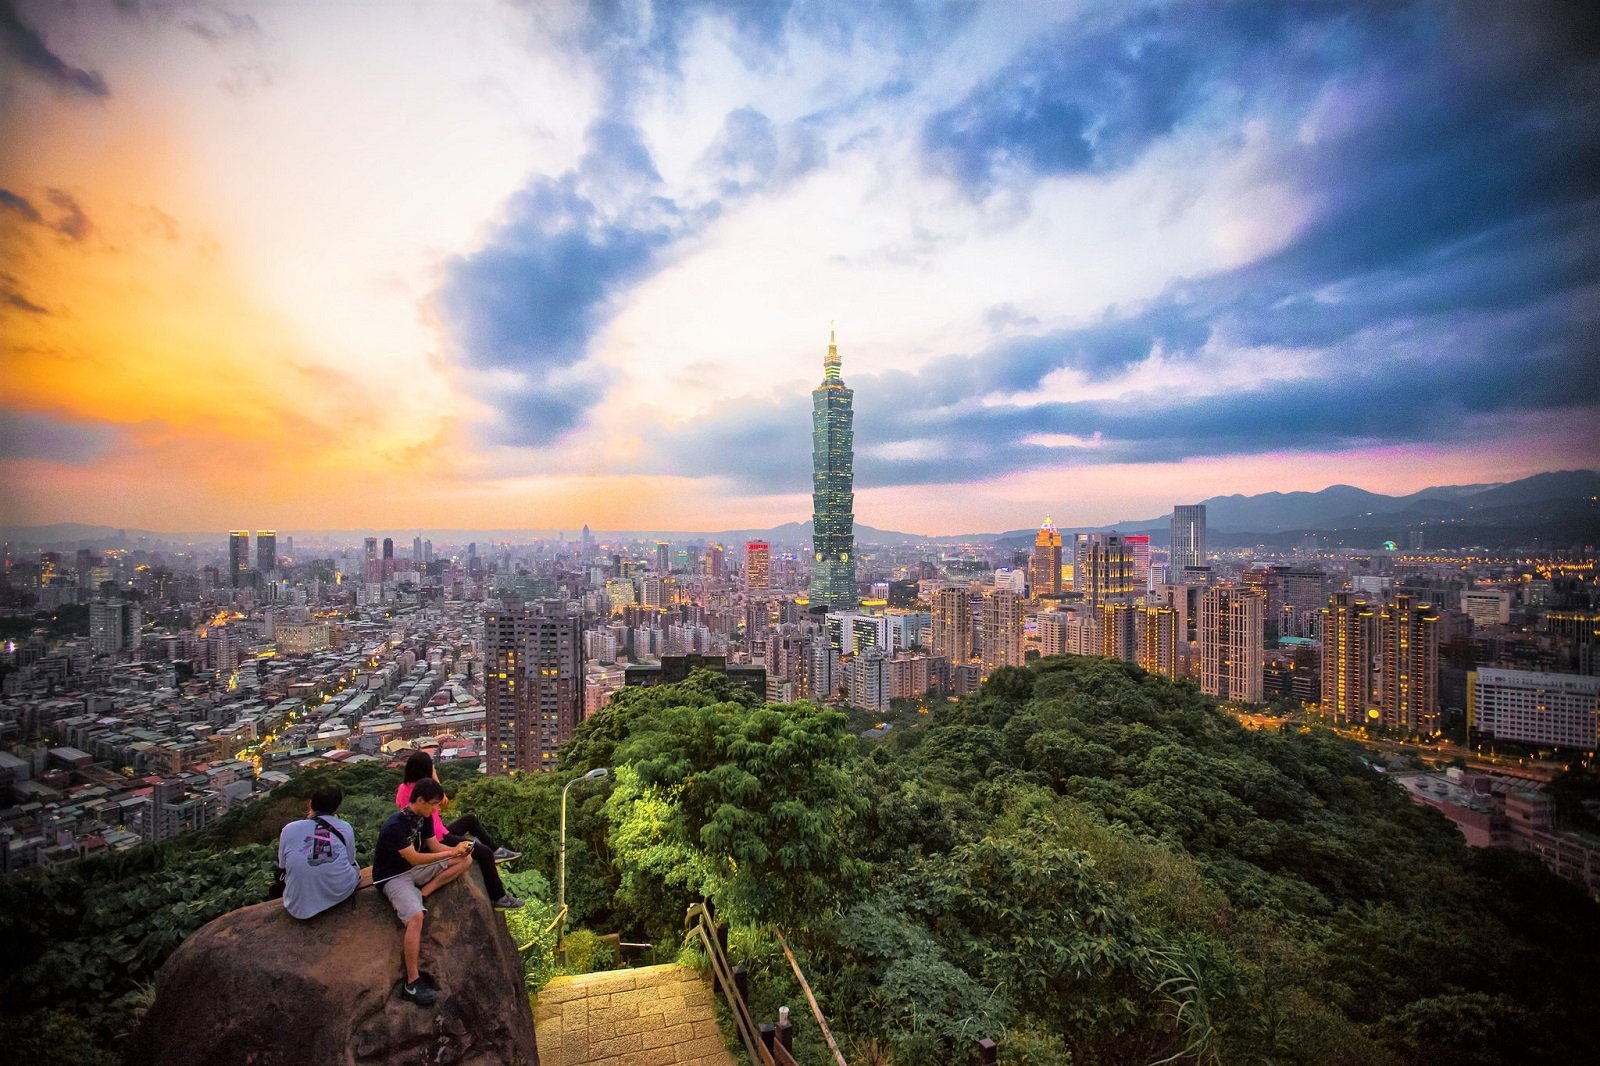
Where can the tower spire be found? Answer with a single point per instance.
(830, 365)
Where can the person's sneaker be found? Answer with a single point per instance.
(508, 902)
(506, 855)
(421, 993)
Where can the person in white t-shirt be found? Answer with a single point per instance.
(318, 856)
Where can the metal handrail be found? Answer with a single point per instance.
(561, 916)
(697, 919)
(827, 1034)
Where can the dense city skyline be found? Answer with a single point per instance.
(503, 266)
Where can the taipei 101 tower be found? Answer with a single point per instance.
(833, 571)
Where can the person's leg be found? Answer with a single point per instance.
(468, 825)
(451, 870)
(412, 947)
(407, 899)
(483, 855)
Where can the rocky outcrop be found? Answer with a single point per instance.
(260, 987)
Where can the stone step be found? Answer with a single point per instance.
(647, 1016)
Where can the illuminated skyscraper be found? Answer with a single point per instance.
(757, 561)
(1188, 539)
(1044, 568)
(1159, 640)
(663, 560)
(833, 571)
(1102, 567)
(1408, 636)
(1230, 642)
(533, 685)
(952, 624)
(1349, 634)
(238, 557)
(1139, 547)
(266, 550)
(1002, 630)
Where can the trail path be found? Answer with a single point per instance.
(649, 1016)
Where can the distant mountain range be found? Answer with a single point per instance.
(1558, 508)
(1561, 508)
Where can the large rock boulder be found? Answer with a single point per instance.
(260, 987)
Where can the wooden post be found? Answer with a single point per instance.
(785, 1030)
(988, 1052)
(721, 929)
(741, 985)
(768, 1034)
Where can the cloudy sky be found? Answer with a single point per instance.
(498, 265)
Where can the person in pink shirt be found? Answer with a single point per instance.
(485, 852)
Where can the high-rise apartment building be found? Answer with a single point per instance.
(239, 558)
(266, 551)
(113, 626)
(1119, 635)
(1231, 631)
(1159, 640)
(1139, 547)
(533, 685)
(1304, 595)
(952, 624)
(1349, 646)
(757, 565)
(1002, 630)
(1408, 646)
(1188, 538)
(869, 680)
(1052, 631)
(663, 559)
(1534, 707)
(1102, 567)
(1044, 566)
(371, 571)
(388, 558)
(1487, 607)
(833, 568)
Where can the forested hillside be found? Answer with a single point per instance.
(1087, 863)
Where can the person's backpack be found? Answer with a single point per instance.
(280, 875)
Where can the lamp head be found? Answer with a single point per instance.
(597, 773)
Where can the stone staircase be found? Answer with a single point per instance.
(649, 1016)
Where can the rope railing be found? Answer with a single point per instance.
(561, 916)
(766, 1043)
(822, 1024)
(698, 920)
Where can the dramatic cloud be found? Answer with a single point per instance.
(752, 154)
(1451, 170)
(29, 435)
(19, 206)
(525, 306)
(572, 246)
(11, 295)
(70, 222)
(27, 46)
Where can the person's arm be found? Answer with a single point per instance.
(439, 847)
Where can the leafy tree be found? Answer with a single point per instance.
(749, 805)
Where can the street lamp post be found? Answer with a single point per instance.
(561, 865)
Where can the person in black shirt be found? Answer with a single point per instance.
(412, 864)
